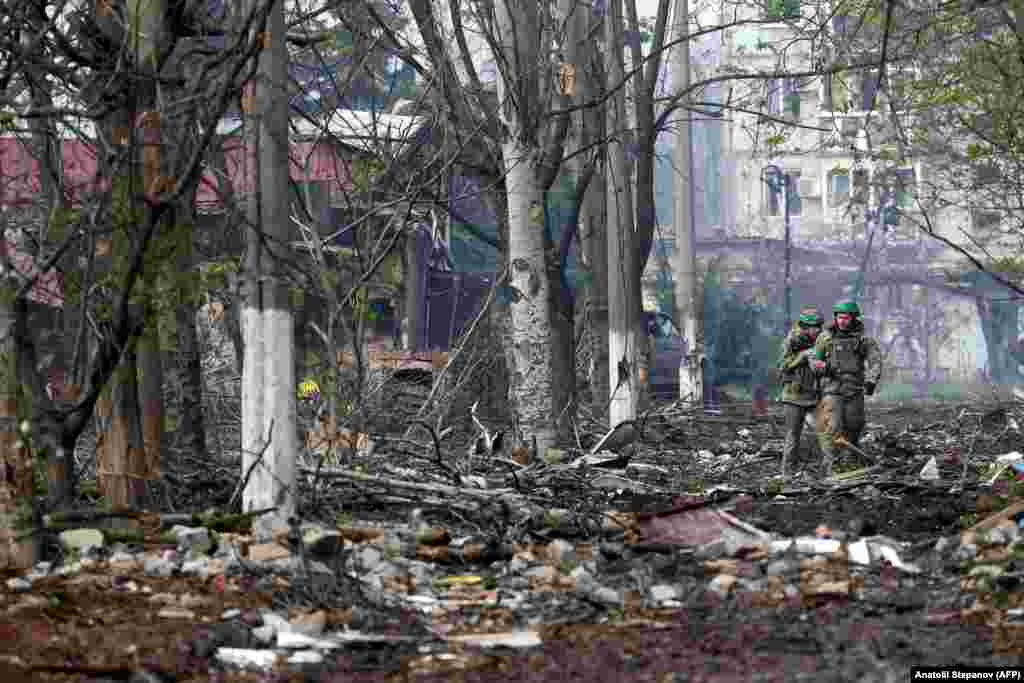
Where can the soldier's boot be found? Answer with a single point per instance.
(788, 451)
(828, 451)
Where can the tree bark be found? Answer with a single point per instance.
(15, 458)
(531, 373)
(691, 374)
(268, 385)
(121, 471)
(622, 336)
(593, 225)
(151, 398)
(188, 374)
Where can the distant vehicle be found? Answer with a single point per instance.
(669, 351)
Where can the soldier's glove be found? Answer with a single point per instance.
(869, 388)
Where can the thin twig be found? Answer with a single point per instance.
(449, 470)
(259, 458)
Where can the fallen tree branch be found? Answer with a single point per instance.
(845, 443)
(479, 494)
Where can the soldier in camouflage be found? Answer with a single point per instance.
(850, 365)
(799, 383)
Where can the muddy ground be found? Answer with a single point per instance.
(79, 630)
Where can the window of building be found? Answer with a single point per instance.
(984, 219)
(838, 188)
(784, 97)
(773, 197)
(778, 10)
(905, 182)
(868, 89)
(840, 25)
(791, 98)
(861, 187)
(772, 203)
(796, 207)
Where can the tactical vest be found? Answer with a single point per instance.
(846, 357)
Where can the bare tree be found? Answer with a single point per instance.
(115, 77)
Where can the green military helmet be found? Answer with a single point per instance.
(811, 317)
(846, 306)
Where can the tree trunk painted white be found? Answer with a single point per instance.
(621, 326)
(530, 317)
(521, 97)
(268, 384)
(691, 372)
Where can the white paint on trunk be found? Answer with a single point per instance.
(622, 356)
(691, 372)
(254, 434)
(275, 483)
(269, 385)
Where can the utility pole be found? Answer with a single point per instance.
(777, 181)
(691, 371)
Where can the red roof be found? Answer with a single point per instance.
(19, 170)
(19, 184)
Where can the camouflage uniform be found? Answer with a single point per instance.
(851, 362)
(800, 393)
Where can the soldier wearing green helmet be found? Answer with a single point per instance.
(850, 365)
(800, 393)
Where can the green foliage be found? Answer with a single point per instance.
(936, 392)
(61, 220)
(216, 275)
(1010, 267)
(782, 9)
(364, 173)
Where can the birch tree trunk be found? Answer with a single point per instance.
(621, 326)
(530, 374)
(519, 93)
(268, 381)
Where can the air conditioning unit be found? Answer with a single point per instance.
(809, 187)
